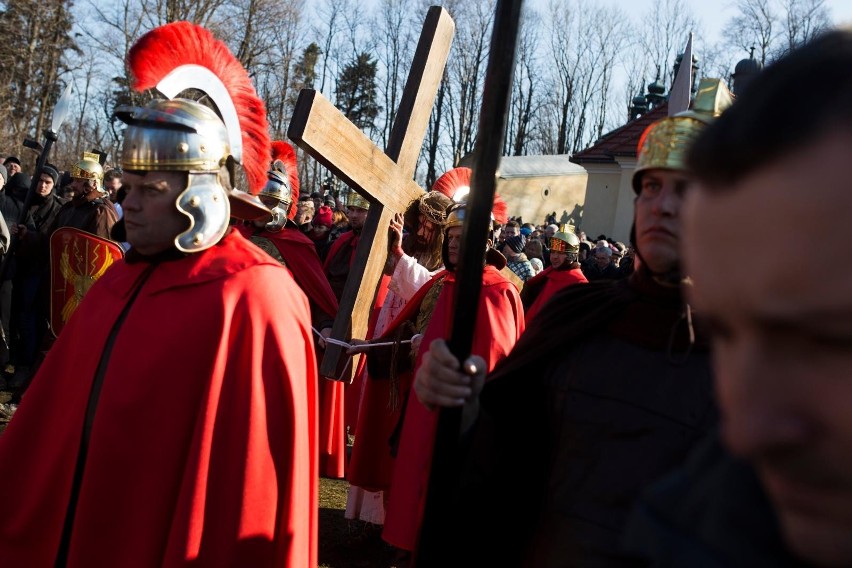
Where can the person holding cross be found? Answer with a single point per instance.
(413, 259)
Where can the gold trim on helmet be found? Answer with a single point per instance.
(666, 142)
(89, 168)
(456, 216)
(564, 242)
(355, 199)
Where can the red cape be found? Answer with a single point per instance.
(339, 412)
(371, 465)
(300, 255)
(203, 449)
(499, 324)
(551, 281)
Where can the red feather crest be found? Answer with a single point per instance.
(459, 178)
(282, 151)
(160, 51)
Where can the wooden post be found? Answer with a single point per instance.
(386, 179)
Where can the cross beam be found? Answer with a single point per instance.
(385, 178)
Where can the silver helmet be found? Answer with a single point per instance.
(184, 136)
(277, 194)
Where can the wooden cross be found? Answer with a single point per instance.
(385, 179)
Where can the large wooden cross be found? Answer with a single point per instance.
(386, 178)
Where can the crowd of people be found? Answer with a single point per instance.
(84, 195)
(654, 404)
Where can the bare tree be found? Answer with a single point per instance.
(466, 68)
(524, 86)
(664, 30)
(756, 25)
(803, 20)
(394, 35)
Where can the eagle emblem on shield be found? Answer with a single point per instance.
(77, 260)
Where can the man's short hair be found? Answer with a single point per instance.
(112, 174)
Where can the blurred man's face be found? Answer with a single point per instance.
(783, 337)
(304, 212)
(602, 260)
(549, 231)
(658, 218)
(13, 168)
(454, 244)
(44, 186)
(357, 216)
(112, 185)
(510, 232)
(557, 259)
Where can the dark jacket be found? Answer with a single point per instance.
(712, 513)
(601, 396)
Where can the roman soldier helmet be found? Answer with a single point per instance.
(665, 143)
(355, 199)
(565, 241)
(458, 186)
(282, 186)
(183, 135)
(89, 169)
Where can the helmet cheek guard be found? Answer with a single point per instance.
(184, 136)
(205, 203)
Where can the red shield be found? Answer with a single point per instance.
(77, 259)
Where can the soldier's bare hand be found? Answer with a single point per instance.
(442, 381)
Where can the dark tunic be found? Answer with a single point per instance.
(711, 513)
(602, 395)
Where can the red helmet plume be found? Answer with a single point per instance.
(164, 50)
(455, 184)
(284, 155)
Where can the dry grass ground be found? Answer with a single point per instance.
(346, 543)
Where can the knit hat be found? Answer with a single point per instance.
(54, 175)
(526, 231)
(5, 173)
(19, 185)
(330, 202)
(516, 243)
(324, 216)
(12, 160)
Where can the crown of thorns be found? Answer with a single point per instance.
(434, 214)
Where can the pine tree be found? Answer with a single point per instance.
(356, 92)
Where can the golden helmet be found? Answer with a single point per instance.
(564, 242)
(665, 143)
(89, 168)
(355, 199)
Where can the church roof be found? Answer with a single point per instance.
(622, 141)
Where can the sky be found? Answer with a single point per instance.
(714, 14)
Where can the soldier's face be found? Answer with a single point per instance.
(658, 218)
(782, 326)
(150, 212)
(557, 259)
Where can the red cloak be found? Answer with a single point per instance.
(499, 324)
(340, 412)
(300, 256)
(548, 282)
(203, 449)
